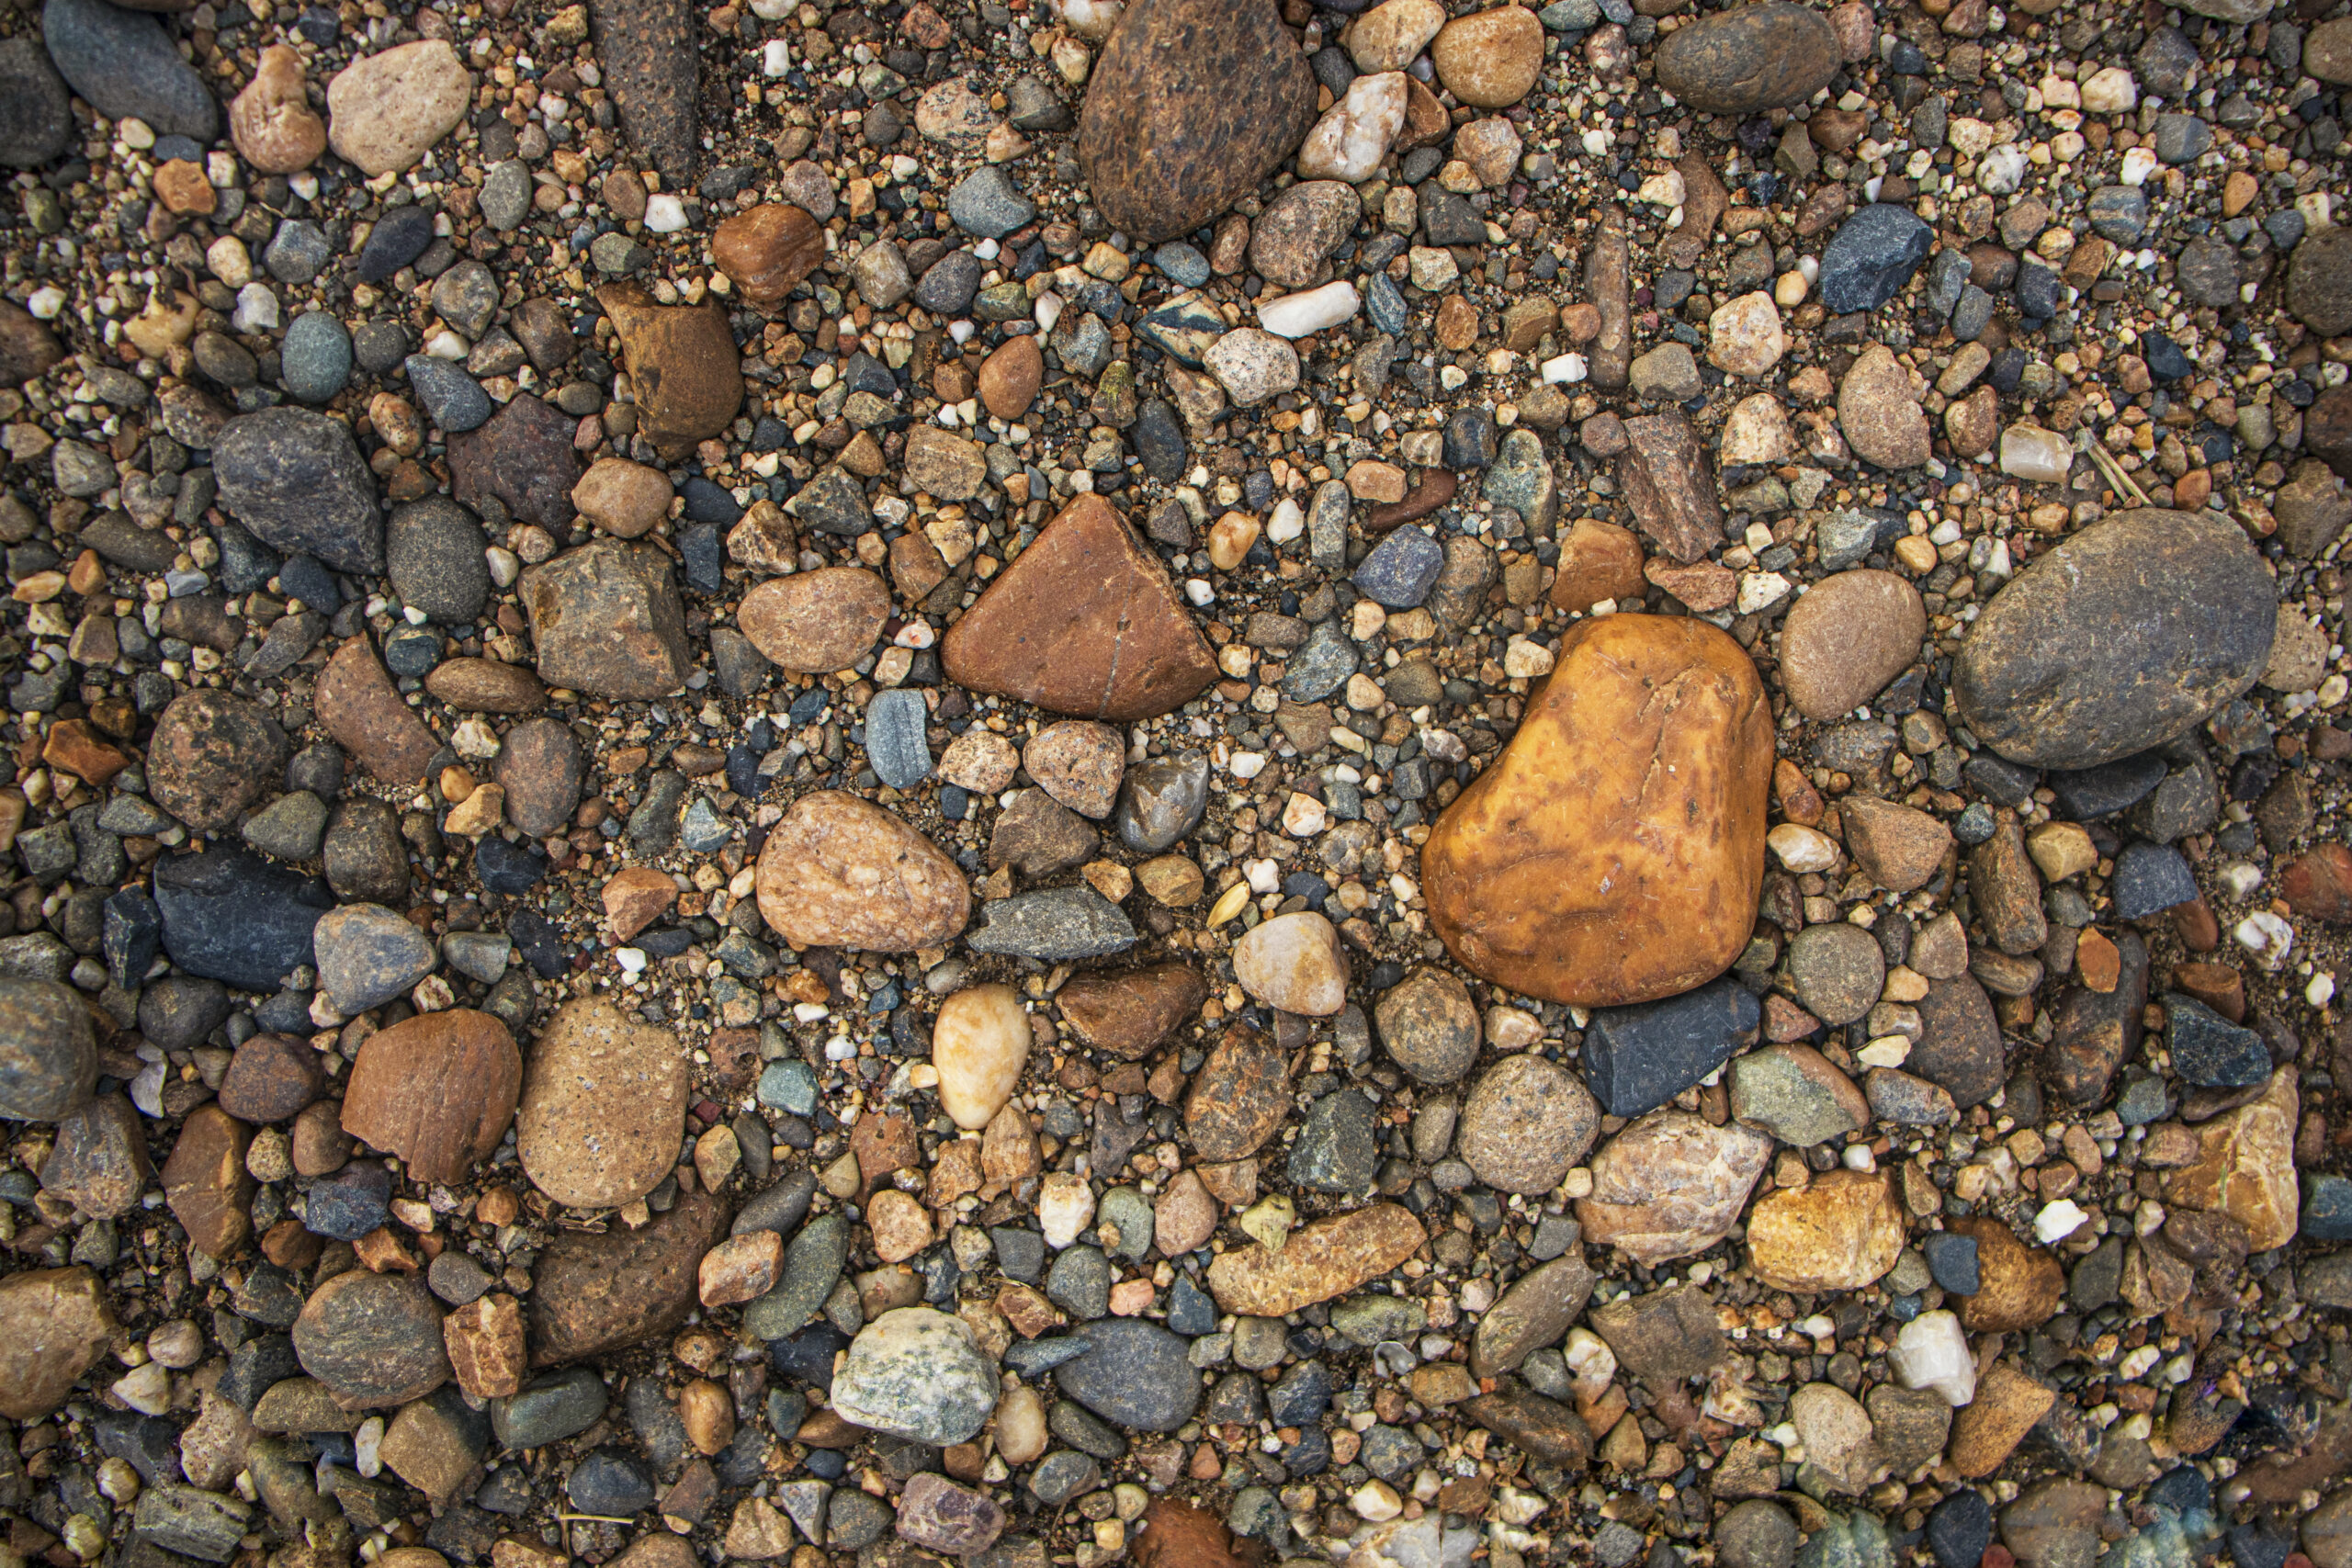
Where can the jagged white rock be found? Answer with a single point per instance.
(1932, 1352)
(1355, 133)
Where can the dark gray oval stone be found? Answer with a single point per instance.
(2130, 634)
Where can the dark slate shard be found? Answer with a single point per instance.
(295, 478)
(399, 238)
(2327, 1207)
(2150, 879)
(2086, 794)
(1134, 1373)
(1871, 257)
(1056, 923)
(648, 50)
(229, 915)
(2209, 1050)
(1637, 1058)
(131, 936)
(1960, 1528)
(1951, 1258)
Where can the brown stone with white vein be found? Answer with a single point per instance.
(840, 872)
(1322, 1260)
(1084, 623)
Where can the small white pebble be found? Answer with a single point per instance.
(2058, 1221)
(664, 213)
(775, 59)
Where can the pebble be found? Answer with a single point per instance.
(438, 1089)
(38, 121)
(1133, 1373)
(979, 1042)
(1525, 1121)
(315, 358)
(1252, 365)
(683, 361)
(1670, 1185)
(1872, 256)
(1085, 623)
(1839, 1233)
(603, 1099)
(1189, 107)
(607, 620)
(1317, 1263)
(387, 111)
(2126, 635)
(1058, 924)
(1490, 60)
(373, 1339)
(1429, 1026)
(1880, 414)
(816, 621)
(58, 1323)
(1293, 963)
(126, 66)
(916, 1374)
(1530, 932)
(1775, 55)
(294, 478)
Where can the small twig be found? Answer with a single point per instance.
(2106, 465)
(594, 1518)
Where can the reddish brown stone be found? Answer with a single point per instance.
(484, 1341)
(883, 1145)
(682, 364)
(1178, 1535)
(1010, 377)
(1085, 622)
(271, 1077)
(206, 1184)
(99, 1164)
(437, 1089)
(1128, 1014)
(1239, 1097)
(74, 746)
(767, 251)
(2318, 886)
(486, 686)
(591, 1293)
(56, 1325)
(605, 619)
(523, 459)
(1435, 490)
(361, 708)
(1670, 486)
(1597, 561)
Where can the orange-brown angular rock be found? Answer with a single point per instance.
(1614, 854)
(1085, 622)
(1130, 1013)
(813, 622)
(682, 364)
(56, 1325)
(484, 1342)
(206, 1184)
(767, 251)
(437, 1089)
(1839, 1233)
(2245, 1167)
(361, 708)
(1325, 1259)
(839, 871)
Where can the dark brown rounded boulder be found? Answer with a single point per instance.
(1192, 104)
(1773, 55)
(213, 758)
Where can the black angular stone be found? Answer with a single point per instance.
(2209, 1050)
(229, 915)
(1637, 1058)
(2086, 794)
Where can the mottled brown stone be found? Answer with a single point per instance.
(647, 47)
(682, 364)
(767, 251)
(1318, 1262)
(1193, 103)
(214, 757)
(595, 1292)
(361, 708)
(607, 621)
(1670, 486)
(524, 460)
(1239, 1097)
(206, 1184)
(1128, 1014)
(840, 872)
(271, 1077)
(54, 1325)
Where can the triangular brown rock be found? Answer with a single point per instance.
(1084, 622)
(683, 365)
(1192, 104)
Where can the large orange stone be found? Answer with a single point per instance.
(1084, 622)
(1613, 853)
